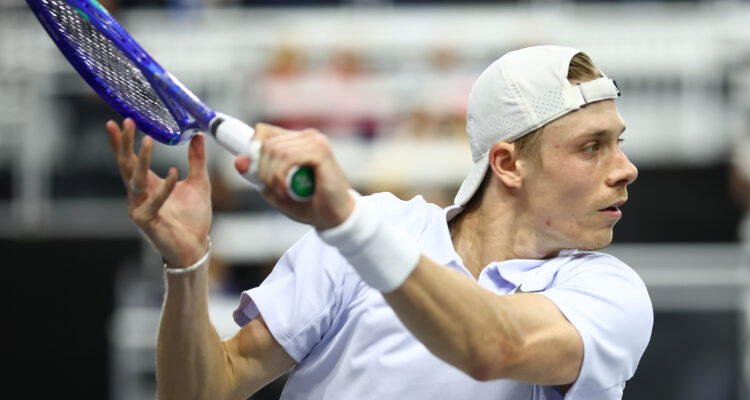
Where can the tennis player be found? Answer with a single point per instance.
(499, 296)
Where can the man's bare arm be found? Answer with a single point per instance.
(193, 362)
(523, 337)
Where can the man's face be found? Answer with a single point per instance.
(573, 195)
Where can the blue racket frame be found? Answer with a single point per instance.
(189, 112)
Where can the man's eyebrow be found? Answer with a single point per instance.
(602, 132)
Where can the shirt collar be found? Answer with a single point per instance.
(531, 275)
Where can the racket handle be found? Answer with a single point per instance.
(236, 136)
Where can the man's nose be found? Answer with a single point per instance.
(624, 172)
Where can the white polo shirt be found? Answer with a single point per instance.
(349, 344)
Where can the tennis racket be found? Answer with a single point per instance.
(132, 83)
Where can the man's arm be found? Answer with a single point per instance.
(523, 336)
(192, 361)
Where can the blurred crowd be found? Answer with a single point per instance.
(346, 96)
(382, 116)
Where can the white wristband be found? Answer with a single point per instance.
(383, 255)
(198, 264)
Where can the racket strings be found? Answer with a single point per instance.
(111, 68)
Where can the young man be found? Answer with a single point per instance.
(401, 299)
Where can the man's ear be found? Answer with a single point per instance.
(503, 160)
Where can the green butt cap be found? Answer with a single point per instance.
(303, 183)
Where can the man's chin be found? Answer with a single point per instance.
(596, 243)
(595, 248)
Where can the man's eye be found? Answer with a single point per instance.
(594, 147)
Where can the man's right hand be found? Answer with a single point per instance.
(175, 215)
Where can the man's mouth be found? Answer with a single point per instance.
(615, 207)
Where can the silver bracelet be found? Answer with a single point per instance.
(198, 264)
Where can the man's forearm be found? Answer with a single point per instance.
(523, 337)
(456, 319)
(191, 361)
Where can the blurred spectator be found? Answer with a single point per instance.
(281, 97)
(453, 84)
(350, 102)
(436, 105)
(340, 99)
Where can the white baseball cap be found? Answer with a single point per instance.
(519, 93)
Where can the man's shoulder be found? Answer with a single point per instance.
(589, 256)
(596, 263)
(412, 215)
(390, 200)
(387, 203)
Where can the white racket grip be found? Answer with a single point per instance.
(237, 137)
(232, 133)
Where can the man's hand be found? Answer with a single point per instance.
(282, 149)
(176, 216)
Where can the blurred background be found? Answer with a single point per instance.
(388, 82)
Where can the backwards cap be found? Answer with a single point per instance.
(519, 93)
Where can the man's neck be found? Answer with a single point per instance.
(486, 233)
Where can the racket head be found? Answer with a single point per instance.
(120, 71)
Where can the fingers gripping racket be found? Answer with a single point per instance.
(132, 83)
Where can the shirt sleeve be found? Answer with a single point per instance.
(607, 302)
(312, 284)
(299, 299)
